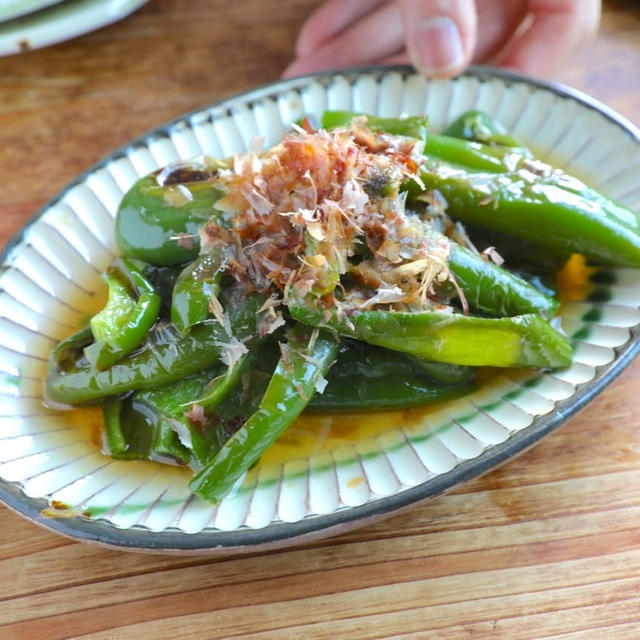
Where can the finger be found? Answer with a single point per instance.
(377, 35)
(559, 27)
(441, 34)
(398, 58)
(497, 22)
(330, 19)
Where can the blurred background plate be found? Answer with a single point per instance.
(370, 467)
(10, 9)
(62, 21)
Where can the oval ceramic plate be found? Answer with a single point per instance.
(51, 468)
(63, 21)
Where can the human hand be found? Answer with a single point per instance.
(441, 37)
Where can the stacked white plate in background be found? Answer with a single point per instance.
(32, 24)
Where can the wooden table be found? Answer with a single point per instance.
(548, 545)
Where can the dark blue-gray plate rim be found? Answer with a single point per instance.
(281, 534)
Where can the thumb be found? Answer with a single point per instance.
(441, 35)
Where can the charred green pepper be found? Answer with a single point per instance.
(494, 290)
(471, 155)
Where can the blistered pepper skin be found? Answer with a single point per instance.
(194, 289)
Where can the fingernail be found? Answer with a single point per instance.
(300, 67)
(435, 46)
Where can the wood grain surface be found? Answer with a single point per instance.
(546, 546)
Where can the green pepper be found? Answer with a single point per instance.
(197, 283)
(218, 388)
(409, 127)
(543, 205)
(159, 217)
(188, 420)
(378, 394)
(162, 422)
(304, 361)
(131, 310)
(167, 407)
(525, 258)
(486, 286)
(519, 341)
(494, 290)
(362, 360)
(368, 378)
(229, 399)
(478, 126)
(518, 253)
(442, 373)
(115, 441)
(163, 280)
(471, 155)
(166, 355)
(136, 429)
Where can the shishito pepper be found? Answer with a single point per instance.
(159, 217)
(160, 423)
(302, 366)
(187, 420)
(509, 191)
(471, 155)
(368, 378)
(192, 296)
(478, 126)
(524, 256)
(486, 286)
(410, 127)
(539, 203)
(142, 427)
(494, 290)
(166, 355)
(131, 310)
(519, 341)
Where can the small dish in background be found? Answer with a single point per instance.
(56, 21)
